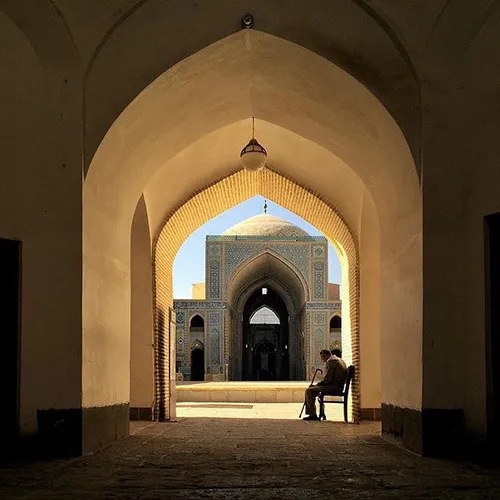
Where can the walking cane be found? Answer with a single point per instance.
(310, 385)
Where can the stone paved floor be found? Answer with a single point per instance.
(207, 457)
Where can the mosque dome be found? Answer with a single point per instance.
(265, 225)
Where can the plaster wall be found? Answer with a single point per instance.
(198, 291)
(94, 55)
(454, 209)
(144, 133)
(371, 357)
(333, 291)
(141, 324)
(40, 205)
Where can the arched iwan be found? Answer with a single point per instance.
(222, 196)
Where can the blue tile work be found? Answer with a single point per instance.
(214, 347)
(319, 340)
(318, 251)
(181, 345)
(213, 254)
(198, 304)
(319, 280)
(214, 291)
(319, 318)
(319, 257)
(214, 250)
(180, 317)
(214, 318)
(297, 254)
(331, 306)
(318, 328)
(214, 340)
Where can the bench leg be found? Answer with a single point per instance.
(322, 415)
(345, 410)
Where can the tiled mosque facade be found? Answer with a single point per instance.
(229, 257)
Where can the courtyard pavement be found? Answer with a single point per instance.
(224, 451)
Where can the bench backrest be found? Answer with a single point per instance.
(350, 375)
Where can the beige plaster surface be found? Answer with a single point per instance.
(244, 392)
(40, 205)
(198, 291)
(141, 318)
(73, 67)
(285, 410)
(144, 135)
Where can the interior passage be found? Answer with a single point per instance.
(264, 458)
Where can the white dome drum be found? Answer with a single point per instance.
(265, 225)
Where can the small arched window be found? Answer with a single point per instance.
(335, 323)
(197, 322)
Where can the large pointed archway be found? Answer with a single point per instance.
(222, 196)
(344, 149)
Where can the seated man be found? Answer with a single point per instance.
(333, 381)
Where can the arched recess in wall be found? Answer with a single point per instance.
(269, 268)
(342, 145)
(222, 196)
(336, 331)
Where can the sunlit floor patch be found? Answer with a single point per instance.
(249, 411)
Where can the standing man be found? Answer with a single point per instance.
(333, 381)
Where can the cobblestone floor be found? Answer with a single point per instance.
(205, 457)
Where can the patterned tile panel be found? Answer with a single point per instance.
(237, 253)
(319, 318)
(331, 306)
(214, 250)
(199, 304)
(214, 346)
(319, 280)
(318, 251)
(214, 318)
(214, 279)
(180, 317)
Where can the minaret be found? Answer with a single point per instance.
(265, 206)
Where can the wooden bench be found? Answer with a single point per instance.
(344, 395)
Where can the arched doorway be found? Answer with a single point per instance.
(265, 336)
(197, 336)
(264, 361)
(197, 364)
(331, 151)
(267, 280)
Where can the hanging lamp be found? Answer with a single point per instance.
(253, 155)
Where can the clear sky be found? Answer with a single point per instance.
(189, 264)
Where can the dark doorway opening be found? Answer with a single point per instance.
(492, 312)
(10, 285)
(264, 363)
(197, 364)
(197, 336)
(265, 337)
(336, 332)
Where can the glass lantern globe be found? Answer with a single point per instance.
(253, 156)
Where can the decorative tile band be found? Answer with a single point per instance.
(331, 306)
(198, 304)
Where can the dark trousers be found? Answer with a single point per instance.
(312, 393)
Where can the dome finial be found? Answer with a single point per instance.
(265, 206)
